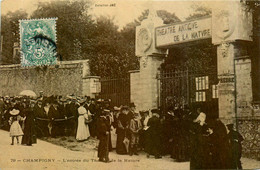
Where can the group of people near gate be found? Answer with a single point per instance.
(186, 134)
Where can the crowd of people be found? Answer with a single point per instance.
(186, 134)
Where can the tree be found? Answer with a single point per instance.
(127, 36)
(199, 11)
(113, 56)
(10, 33)
(74, 26)
(167, 17)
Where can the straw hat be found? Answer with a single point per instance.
(14, 112)
(117, 108)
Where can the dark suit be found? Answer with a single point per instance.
(103, 136)
(235, 139)
(155, 136)
(41, 125)
(72, 110)
(93, 124)
(29, 129)
(52, 115)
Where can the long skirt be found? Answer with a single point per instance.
(29, 137)
(120, 146)
(113, 138)
(82, 131)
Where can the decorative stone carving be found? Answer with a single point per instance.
(226, 24)
(231, 25)
(144, 40)
(224, 49)
(144, 60)
(145, 43)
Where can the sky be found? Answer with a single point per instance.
(123, 11)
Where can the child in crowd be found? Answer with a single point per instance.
(135, 127)
(15, 129)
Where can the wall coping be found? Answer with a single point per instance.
(133, 71)
(59, 63)
(89, 77)
(249, 118)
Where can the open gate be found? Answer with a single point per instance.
(179, 88)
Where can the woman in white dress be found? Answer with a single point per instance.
(83, 130)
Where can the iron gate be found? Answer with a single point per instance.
(117, 90)
(179, 88)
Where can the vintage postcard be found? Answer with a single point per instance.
(130, 84)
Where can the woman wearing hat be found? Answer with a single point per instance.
(15, 129)
(122, 126)
(82, 131)
(29, 136)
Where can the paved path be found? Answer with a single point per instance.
(44, 155)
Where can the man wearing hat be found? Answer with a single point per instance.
(52, 115)
(107, 104)
(38, 111)
(63, 115)
(155, 134)
(92, 109)
(72, 115)
(131, 110)
(235, 139)
(103, 136)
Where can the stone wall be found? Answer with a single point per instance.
(244, 86)
(135, 87)
(226, 89)
(148, 94)
(248, 116)
(62, 79)
(249, 127)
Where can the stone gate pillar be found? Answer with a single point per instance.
(231, 32)
(144, 85)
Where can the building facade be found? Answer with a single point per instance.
(230, 32)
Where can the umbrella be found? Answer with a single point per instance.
(28, 93)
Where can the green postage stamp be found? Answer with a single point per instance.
(38, 42)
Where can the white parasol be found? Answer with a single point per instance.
(28, 93)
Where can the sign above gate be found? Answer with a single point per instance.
(183, 32)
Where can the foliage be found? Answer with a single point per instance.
(111, 52)
(10, 33)
(197, 58)
(113, 55)
(74, 26)
(167, 17)
(199, 11)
